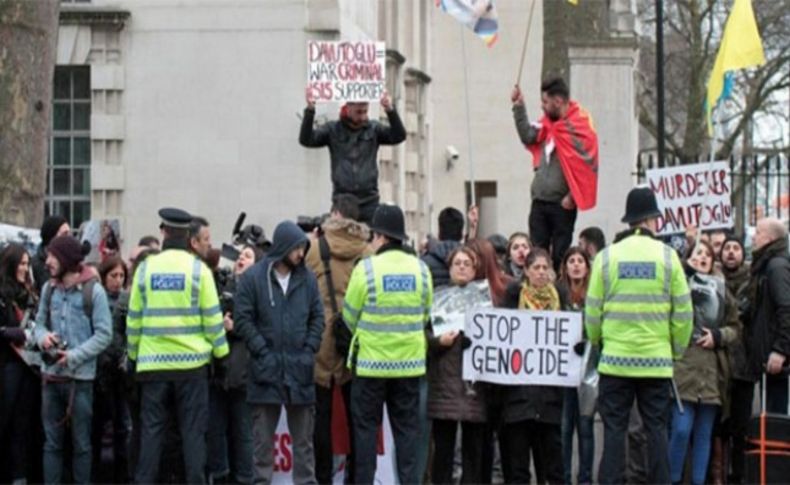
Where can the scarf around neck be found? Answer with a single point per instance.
(532, 298)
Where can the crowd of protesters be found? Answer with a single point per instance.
(110, 371)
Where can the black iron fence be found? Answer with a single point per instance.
(760, 185)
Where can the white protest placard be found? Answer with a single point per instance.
(284, 457)
(517, 347)
(451, 303)
(697, 194)
(346, 71)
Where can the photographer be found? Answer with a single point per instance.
(230, 425)
(71, 341)
(346, 243)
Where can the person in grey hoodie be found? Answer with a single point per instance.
(73, 341)
(279, 315)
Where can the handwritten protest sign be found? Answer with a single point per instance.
(681, 195)
(523, 347)
(346, 71)
(451, 303)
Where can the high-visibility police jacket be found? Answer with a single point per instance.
(639, 308)
(174, 321)
(387, 305)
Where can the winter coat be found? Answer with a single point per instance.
(86, 338)
(449, 396)
(436, 259)
(231, 372)
(353, 153)
(539, 403)
(38, 265)
(110, 362)
(348, 243)
(737, 282)
(767, 328)
(703, 375)
(282, 330)
(14, 301)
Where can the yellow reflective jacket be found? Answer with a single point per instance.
(387, 305)
(639, 308)
(174, 321)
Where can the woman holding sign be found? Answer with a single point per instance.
(450, 399)
(702, 375)
(532, 415)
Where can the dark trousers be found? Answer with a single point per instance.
(367, 209)
(473, 442)
(401, 395)
(741, 399)
(230, 444)
(545, 442)
(615, 398)
(17, 384)
(110, 405)
(322, 438)
(189, 399)
(551, 228)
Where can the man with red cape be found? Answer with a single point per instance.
(564, 150)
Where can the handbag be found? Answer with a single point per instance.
(588, 388)
(340, 330)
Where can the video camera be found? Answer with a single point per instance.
(251, 234)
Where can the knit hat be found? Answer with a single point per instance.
(68, 251)
(734, 238)
(50, 228)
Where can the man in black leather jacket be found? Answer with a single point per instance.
(353, 142)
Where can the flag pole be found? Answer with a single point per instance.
(468, 117)
(526, 39)
(715, 122)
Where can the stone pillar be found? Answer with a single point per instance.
(602, 79)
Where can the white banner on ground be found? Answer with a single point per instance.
(284, 458)
(451, 303)
(697, 194)
(346, 71)
(516, 347)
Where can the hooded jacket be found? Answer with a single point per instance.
(768, 326)
(436, 259)
(282, 330)
(348, 243)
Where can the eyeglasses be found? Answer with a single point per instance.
(465, 263)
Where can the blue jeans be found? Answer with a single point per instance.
(230, 435)
(697, 421)
(57, 398)
(583, 425)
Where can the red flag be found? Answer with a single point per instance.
(577, 148)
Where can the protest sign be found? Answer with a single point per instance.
(284, 457)
(516, 347)
(346, 71)
(697, 195)
(451, 303)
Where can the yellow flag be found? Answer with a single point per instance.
(740, 47)
(573, 2)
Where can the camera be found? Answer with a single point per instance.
(310, 223)
(451, 155)
(51, 356)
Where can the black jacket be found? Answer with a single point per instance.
(436, 259)
(767, 326)
(39, 268)
(353, 153)
(519, 403)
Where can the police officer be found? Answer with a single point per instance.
(387, 304)
(174, 327)
(639, 309)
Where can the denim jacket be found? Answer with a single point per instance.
(69, 322)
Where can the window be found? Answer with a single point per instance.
(69, 164)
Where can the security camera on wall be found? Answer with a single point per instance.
(451, 155)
